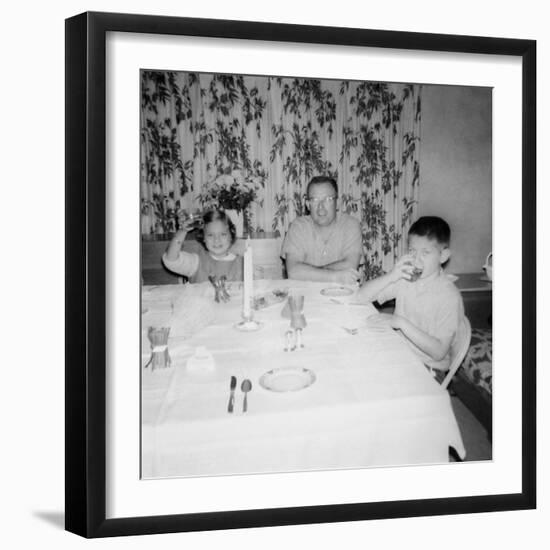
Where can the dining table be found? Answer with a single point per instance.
(340, 393)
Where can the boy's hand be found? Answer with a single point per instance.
(385, 321)
(380, 321)
(402, 269)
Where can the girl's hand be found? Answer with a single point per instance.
(185, 223)
(402, 269)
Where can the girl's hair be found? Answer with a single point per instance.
(212, 216)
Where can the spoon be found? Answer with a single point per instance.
(246, 386)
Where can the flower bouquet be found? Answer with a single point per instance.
(232, 192)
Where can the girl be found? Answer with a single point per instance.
(216, 236)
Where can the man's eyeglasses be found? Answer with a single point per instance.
(325, 201)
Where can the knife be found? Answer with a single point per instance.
(232, 386)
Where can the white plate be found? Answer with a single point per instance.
(287, 379)
(336, 291)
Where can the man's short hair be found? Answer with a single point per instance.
(322, 179)
(433, 228)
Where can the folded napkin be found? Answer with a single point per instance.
(191, 315)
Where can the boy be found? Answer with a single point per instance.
(429, 310)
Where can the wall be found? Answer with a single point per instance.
(455, 169)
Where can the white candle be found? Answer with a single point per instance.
(248, 280)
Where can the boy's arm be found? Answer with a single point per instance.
(371, 290)
(436, 347)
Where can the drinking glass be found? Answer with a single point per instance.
(296, 305)
(192, 217)
(415, 275)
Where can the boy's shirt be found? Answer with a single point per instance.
(434, 305)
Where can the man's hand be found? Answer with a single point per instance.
(347, 276)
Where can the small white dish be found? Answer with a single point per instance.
(286, 379)
(201, 361)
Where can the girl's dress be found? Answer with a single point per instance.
(198, 266)
(208, 266)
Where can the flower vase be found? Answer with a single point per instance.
(246, 222)
(238, 221)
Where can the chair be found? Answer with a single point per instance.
(458, 352)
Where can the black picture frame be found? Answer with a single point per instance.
(86, 284)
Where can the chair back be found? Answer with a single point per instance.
(458, 351)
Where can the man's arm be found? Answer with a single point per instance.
(300, 270)
(343, 271)
(351, 261)
(352, 251)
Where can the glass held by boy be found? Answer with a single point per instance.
(429, 311)
(213, 258)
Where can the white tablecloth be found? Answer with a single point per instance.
(372, 404)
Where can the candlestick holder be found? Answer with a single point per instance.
(248, 324)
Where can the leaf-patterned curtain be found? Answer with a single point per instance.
(274, 134)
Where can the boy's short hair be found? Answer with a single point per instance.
(433, 228)
(216, 215)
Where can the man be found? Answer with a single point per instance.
(323, 246)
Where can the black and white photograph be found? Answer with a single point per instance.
(274, 275)
(316, 274)
(283, 242)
